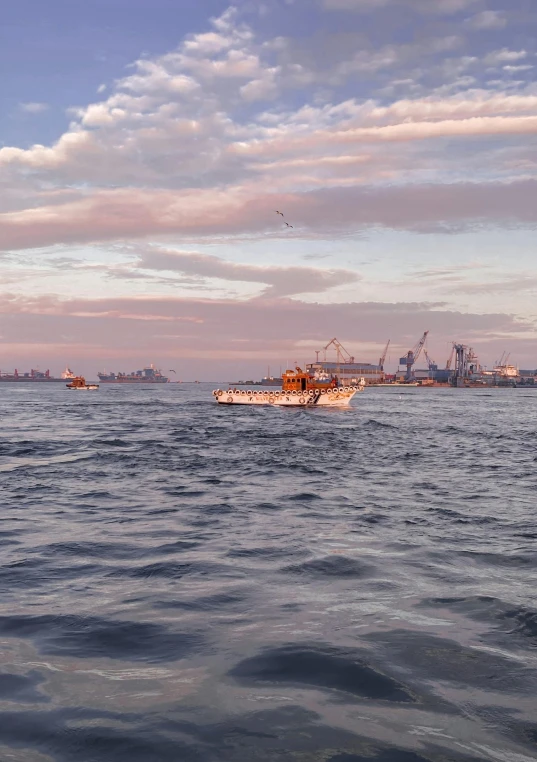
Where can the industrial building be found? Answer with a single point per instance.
(528, 377)
(346, 368)
(349, 372)
(462, 368)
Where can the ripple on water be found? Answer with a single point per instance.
(323, 667)
(440, 659)
(331, 567)
(22, 688)
(96, 637)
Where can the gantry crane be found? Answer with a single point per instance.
(382, 358)
(466, 364)
(412, 355)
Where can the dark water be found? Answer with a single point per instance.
(186, 582)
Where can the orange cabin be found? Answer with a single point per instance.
(77, 382)
(299, 381)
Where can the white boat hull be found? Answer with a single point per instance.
(325, 398)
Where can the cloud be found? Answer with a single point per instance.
(230, 337)
(522, 67)
(128, 140)
(33, 107)
(228, 109)
(132, 214)
(504, 56)
(436, 7)
(473, 278)
(280, 281)
(190, 144)
(487, 20)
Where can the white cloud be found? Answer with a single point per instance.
(263, 88)
(522, 67)
(504, 55)
(33, 107)
(185, 132)
(208, 43)
(487, 20)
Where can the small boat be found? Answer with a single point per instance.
(299, 389)
(79, 382)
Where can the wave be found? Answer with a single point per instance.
(324, 667)
(96, 637)
(331, 566)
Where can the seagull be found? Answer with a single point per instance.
(172, 371)
(277, 212)
(288, 225)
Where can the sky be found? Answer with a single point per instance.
(147, 145)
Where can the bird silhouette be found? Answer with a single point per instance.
(288, 225)
(277, 212)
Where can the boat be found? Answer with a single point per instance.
(33, 375)
(149, 375)
(299, 389)
(67, 374)
(79, 382)
(269, 381)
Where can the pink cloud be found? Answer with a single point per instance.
(131, 213)
(212, 335)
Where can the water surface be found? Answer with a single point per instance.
(187, 582)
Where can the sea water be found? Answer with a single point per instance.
(182, 581)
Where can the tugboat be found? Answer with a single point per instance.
(79, 382)
(299, 389)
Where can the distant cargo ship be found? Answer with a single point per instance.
(148, 375)
(37, 376)
(265, 381)
(270, 381)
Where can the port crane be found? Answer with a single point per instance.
(466, 363)
(382, 358)
(342, 355)
(412, 355)
(430, 362)
(450, 358)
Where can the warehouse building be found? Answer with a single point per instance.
(349, 372)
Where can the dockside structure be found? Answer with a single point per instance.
(349, 372)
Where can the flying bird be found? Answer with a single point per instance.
(288, 225)
(277, 212)
(172, 371)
